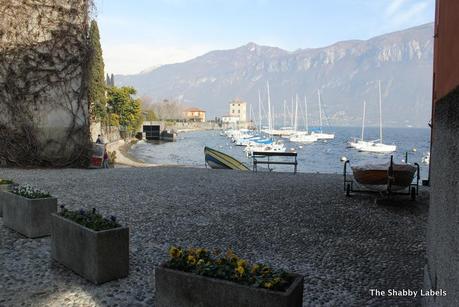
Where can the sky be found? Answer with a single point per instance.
(141, 34)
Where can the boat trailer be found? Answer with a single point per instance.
(412, 189)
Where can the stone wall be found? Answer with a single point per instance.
(43, 82)
(109, 134)
(442, 272)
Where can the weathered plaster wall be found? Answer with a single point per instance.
(442, 270)
(43, 87)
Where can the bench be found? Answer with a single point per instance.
(260, 158)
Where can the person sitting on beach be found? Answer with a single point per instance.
(98, 141)
(105, 163)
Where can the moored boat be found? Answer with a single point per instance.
(219, 160)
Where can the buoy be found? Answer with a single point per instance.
(300, 146)
(414, 149)
(343, 159)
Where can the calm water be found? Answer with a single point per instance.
(321, 156)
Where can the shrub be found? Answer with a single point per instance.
(112, 157)
(30, 192)
(90, 219)
(6, 181)
(228, 267)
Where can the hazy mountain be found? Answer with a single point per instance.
(346, 73)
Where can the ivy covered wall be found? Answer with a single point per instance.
(44, 54)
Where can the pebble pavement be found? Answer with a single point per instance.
(302, 223)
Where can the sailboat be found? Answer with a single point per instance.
(357, 143)
(376, 146)
(320, 135)
(302, 136)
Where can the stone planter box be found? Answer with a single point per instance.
(30, 217)
(176, 288)
(98, 256)
(4, 188)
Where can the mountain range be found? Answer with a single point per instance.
(346, 73)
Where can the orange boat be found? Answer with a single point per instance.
(379, 176)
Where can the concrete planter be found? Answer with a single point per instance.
(176, 288)
(30, 217)
(98, 256)
(4, 188)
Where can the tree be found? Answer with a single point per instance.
(150, 116)
(96, 89)
(128, 109)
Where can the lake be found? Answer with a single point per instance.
(321, 156)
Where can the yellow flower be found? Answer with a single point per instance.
(200, 252)
(231, 256)
(240, 271)
(268, 285)
(191, 260)
(174, 252)
(241, 263)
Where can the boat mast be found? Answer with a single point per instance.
(363, 118)
(296, 113)
(259, 111)
(285, 113)
(291, 114)
(306, 114)
(380, 114)
(269, 109)
(320, 110)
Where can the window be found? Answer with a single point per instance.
(239, 111)
(238, 104)
(233, 111)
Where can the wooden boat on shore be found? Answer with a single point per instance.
(380, 176)
(219, 160)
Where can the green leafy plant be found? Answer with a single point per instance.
(89, 218)
(228, 267)
(30, 192)
(6, 181)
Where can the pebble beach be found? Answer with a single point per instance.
(303, 223)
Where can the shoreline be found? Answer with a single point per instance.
(123, 158)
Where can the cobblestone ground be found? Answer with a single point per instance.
(303, 223)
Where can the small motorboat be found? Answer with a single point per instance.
(219, 160)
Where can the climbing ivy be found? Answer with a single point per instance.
(44, 54)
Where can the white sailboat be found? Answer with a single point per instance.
(320, 135)
(302, 136)
(355, 143)
(272, 146)
(376, 146)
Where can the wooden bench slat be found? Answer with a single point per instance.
(275, 162)
(272, 154)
